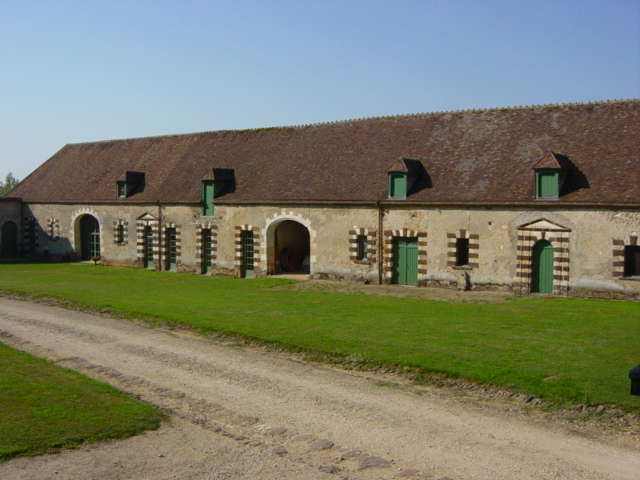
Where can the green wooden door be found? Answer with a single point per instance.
(89, 238)
(147, 248)
(247, 254)
(9, 239)
(405, 260)
(542, 267)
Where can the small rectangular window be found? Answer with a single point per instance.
(120, 234)
(462, 252)
(246, 239)
(122, 189)
(361, 245)
(631, 261)
(171, 249)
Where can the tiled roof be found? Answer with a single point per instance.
(472, 157)
(553, 160)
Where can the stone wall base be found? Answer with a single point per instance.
(604, 294)
(476, 287)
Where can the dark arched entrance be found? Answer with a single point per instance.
(9, 247)
(542, 267)
(89, 238)
(290, 249)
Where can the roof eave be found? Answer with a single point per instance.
(410, 203)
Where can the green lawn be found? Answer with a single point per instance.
(43, 406)
(561, 349)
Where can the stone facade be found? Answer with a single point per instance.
(588, 244)
(539, 199)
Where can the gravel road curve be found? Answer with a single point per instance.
(245, 412)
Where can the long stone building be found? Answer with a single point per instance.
(528, 199)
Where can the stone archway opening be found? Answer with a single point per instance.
(289, 248)
(87, 230)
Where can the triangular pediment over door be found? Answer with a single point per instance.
(558, 238)
(146, 217)
(544, 225)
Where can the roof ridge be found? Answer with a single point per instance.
(379, 117)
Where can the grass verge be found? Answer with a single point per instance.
(45, 407)
(563, 350)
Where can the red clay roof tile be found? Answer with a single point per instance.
(469, 157)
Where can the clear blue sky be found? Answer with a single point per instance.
(79, 71)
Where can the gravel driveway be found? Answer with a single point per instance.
(241, 411)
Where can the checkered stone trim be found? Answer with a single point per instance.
(53, 228)
(372, 243)
(387, 248)
(618, 253)
(117, 226)
(558, 237)
(30, 237)
(474, 248)
(237, 240)
(163, 245)
(141, 223)
(200, 228)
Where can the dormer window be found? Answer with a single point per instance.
(398, 185)
(215, 183)
(550, 173)
(401, 176)
(547, 183)
(121, 189)
(129, 183)
(208, 189)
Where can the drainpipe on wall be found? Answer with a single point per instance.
(380, 237)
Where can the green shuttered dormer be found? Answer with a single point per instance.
(121, 189)
(550, 174)
(397, 185)
(207, 198)
(129, 183)
(547, 183)
(401, 176)
(215, 183)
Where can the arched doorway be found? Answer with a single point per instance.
(542, 267)
(9, 245)
(289, 249)
(89, 237)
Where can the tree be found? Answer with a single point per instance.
(9, 182)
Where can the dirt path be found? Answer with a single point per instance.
(243, 412)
